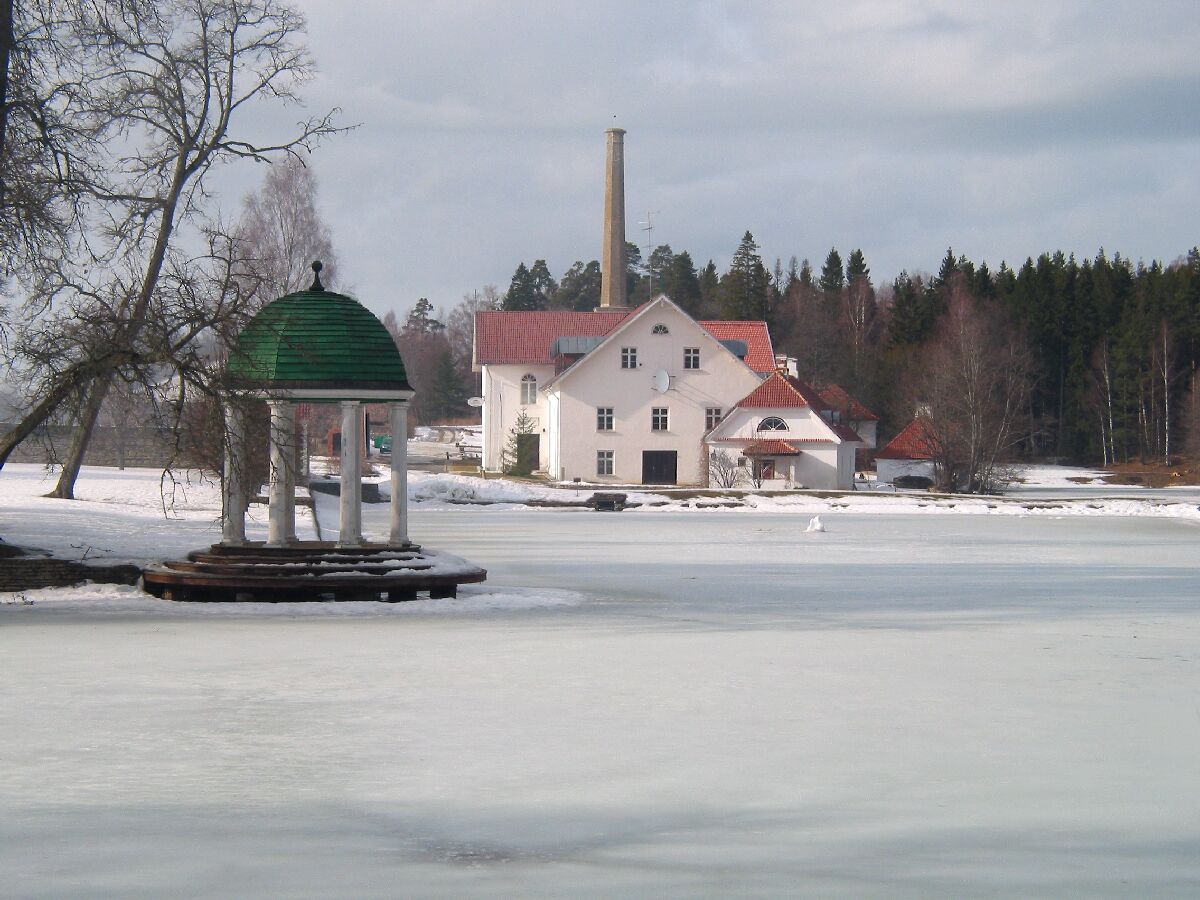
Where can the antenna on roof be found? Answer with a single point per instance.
(316, 285)
(648, 227)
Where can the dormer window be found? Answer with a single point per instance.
(528, 390)
(772, 423)
(660, 328)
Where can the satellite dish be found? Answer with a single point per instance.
(474, 401)
(662, 381)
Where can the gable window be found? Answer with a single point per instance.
(658, 418)
(772, 423)
(604, 418)
(712, 415)
(691, 357)
(528, 390)
(604, 462)
(629, 357)
(660, 328)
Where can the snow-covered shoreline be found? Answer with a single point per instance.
(121, 516)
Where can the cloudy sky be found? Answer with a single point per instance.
(900, 127)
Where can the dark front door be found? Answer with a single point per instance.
(660, 466)
(528, 447)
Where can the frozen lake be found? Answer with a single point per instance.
(904, 705)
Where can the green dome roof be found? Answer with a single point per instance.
(317, 340)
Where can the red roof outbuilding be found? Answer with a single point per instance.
(916, 441)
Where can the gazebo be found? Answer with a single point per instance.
(313, 346)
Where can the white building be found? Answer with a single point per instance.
(785, 435)
(616, 395)
(910, 453)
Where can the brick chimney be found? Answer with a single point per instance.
(612, 260)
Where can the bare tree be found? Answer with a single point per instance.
(723, 470)
(460, 331)
(281, 231)
(168, 78)
(972, 387)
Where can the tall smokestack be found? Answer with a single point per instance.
(612, 262)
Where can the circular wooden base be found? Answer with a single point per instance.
(310, 570)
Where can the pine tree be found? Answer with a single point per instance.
(746, 287)
(522, 295)
(681, 284)
(449, 394)
(420, 319)
(542, 283)
(579, 289)
(709, 287)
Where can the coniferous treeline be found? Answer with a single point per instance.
(1113, 345)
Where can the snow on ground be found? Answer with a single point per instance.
(900, 706)
(120, 515)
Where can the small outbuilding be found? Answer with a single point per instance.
(910, 453)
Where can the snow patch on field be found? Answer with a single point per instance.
(121, 515)
(125, 599)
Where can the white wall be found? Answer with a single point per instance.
(887, 470)
(501, 402)
(827, 466)
(599, 380)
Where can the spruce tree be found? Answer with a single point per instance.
(833, 279)
(516, 456)
(746, 287)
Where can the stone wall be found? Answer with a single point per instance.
(24, 572)
(129, 445)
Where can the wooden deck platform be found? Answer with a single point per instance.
(310, 570)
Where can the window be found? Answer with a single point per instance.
(691, 357)
(660, 328)
(658, 418)
(604, 462)
(772, 423)
(763, 470)
(604, 418)
(629, 357)
(528, 390)
(712, 415)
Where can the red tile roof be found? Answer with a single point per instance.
(916, 441)
(525, 337)
(836, 397)
(737, 440)
(770, 447)
(781, 391)
(845, 432)
(760, 355)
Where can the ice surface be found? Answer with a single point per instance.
(690, 703)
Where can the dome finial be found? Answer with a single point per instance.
(316, 285)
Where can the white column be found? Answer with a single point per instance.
(281, 499)
(399, 414)
(351, 499)
(233, 495)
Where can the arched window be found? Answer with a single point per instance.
(528, 390)
(772, 423)
(660, 328)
